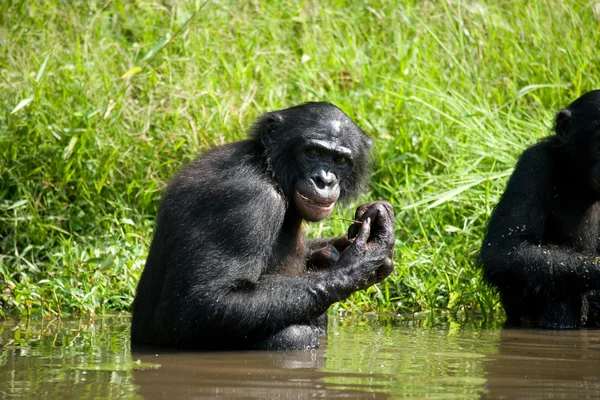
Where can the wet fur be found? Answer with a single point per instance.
(228, 264)
(541, 248)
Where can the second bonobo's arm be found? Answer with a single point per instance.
(513, 251)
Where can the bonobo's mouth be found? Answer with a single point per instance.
(313, 209)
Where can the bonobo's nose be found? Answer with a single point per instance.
(324, 179)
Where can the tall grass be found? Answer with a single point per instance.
(102, 101)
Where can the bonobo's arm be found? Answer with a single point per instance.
(281, 300)
(240, 300)
(513, 252)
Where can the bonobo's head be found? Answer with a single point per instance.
(317, 155)
(578, 128)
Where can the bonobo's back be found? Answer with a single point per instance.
(200, 189)
(543, 237)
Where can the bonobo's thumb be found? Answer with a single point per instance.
(364, 233)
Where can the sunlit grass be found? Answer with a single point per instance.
(103, 101)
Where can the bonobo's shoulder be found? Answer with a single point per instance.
(227, 179)
(239, 161)
(230, 153)
(242, 154)
(546, 147)
(540, 154)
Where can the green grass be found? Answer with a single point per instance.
(451, 91)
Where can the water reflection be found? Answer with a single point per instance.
(538, 364)
(362, 358)
(248, 375)
(65, 359)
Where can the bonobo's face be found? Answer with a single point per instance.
(317, 155)
(324, 163)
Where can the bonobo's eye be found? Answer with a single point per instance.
(314, 152)
(341, 160)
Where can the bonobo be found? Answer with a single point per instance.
(229, 267)
(541, 248)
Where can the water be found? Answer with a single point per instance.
(362, 358)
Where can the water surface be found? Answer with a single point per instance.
(362, 358)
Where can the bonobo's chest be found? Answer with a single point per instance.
(288, 254)
(573, 221)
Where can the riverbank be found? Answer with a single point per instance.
(103, 102)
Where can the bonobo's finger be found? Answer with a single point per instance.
(353, 230)
(380, 205)
(380, 273)
(361, 210)
(363, 235)
(331, 252)
(388, 220)
(382, 217)
(386, 213)
(385, 269)
(388, 207)
(341, 243)
(373, 214)
(383, 223)
(324, 258)
(386, 225)
(358, 216)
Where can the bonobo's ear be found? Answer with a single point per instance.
(369, 142)
(561, 127)
(267, 125)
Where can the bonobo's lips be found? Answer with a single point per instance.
(313, 209)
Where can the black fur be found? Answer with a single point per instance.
(228, 267)
(541, 249)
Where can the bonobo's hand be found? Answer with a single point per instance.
(324, 258)
(328, 255)
(373, 243)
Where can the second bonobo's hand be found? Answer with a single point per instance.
(373, 243)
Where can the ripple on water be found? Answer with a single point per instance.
(361, 358)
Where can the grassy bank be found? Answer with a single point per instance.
(102, 101)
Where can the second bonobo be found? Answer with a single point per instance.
(229, 267)
(542, 245)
